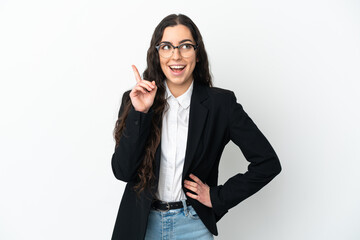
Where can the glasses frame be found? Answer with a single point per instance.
(195, 46)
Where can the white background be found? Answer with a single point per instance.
(294, 66)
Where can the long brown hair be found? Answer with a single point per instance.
(153, 72)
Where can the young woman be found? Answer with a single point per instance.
(170, 134)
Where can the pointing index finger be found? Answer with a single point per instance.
(136, 72)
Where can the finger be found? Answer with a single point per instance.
(192, 195)
(195, 178)
(138, 88)
(136, 72)
(193, 189)
(148, 83)
(144, 85)
(191, 183)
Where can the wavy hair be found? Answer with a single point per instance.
(153, 72)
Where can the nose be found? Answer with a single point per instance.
(176, 55)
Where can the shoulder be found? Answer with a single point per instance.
(221, 94)
(219, 91)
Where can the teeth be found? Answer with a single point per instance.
(177, 67)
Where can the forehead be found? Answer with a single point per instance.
(177, 33)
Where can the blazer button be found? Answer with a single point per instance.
(136, 122)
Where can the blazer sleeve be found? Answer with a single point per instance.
(129, 153)
(264, 163)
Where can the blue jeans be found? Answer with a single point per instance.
(179, 224)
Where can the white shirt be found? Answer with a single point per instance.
(173, 146)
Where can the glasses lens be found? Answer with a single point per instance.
(165, 50)
(186, 50)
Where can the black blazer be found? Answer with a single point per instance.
(215, 119)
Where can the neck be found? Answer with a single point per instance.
(178, 90)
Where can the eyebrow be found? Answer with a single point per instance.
(185, 40)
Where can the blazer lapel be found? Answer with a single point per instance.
(197, 118)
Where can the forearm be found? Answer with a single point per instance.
(242, 186)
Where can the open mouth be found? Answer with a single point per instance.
(177, 68)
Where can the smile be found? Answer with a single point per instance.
(177, 69)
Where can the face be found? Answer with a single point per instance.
(177, 69)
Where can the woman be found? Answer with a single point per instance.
(172, 128)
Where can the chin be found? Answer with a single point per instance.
(178, 81)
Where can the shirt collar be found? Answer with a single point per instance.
(184, 99)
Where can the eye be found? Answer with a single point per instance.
(165, 47)
(186, 46)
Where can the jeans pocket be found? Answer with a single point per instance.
(193, 214)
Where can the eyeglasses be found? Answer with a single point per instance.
(166, 50)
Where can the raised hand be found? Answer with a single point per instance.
(143, 94)
(201, 189)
